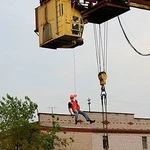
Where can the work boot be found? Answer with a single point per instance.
(92, 121)
(76, 121)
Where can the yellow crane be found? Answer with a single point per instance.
(60, 23)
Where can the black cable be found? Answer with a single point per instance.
(129, 40)
(102, 102)
(104, 120)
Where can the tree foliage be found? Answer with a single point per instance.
(15, 112)
(51, 140)
(18, 131)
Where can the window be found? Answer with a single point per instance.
(81, 30)
(46, 14)
(75, 25)
(81, 21)
(47, 35)
(75, 19)
(144, 142)
(61, 9)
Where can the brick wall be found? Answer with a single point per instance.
(125, 131)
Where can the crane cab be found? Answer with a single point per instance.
(58, 24)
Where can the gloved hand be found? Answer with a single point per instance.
(72, 115)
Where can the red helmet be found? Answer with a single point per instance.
(71, 96)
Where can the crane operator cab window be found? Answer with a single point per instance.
(77, 26)
(59, 25)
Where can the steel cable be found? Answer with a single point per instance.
(129, 40)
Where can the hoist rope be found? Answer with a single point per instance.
(102, 102)
(104, 118)
(101, 57)
(105, 104)
(98, 58)
(74, 58)
(129, 40)
(101, 46)
(106, 44)
(74, 83)
(74, 71)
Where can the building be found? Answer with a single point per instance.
(124, 131)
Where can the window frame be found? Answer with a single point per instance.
(144, 142)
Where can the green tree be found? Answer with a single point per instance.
(18, 131)
(51, 140)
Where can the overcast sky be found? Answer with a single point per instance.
(46, 76)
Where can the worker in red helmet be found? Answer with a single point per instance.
(74, 109)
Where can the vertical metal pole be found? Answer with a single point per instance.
(52, 109)
(89, 103)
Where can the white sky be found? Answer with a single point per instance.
(46, 76)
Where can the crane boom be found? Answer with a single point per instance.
(105, 10)
(142, 4)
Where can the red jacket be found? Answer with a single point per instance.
(75, 105)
